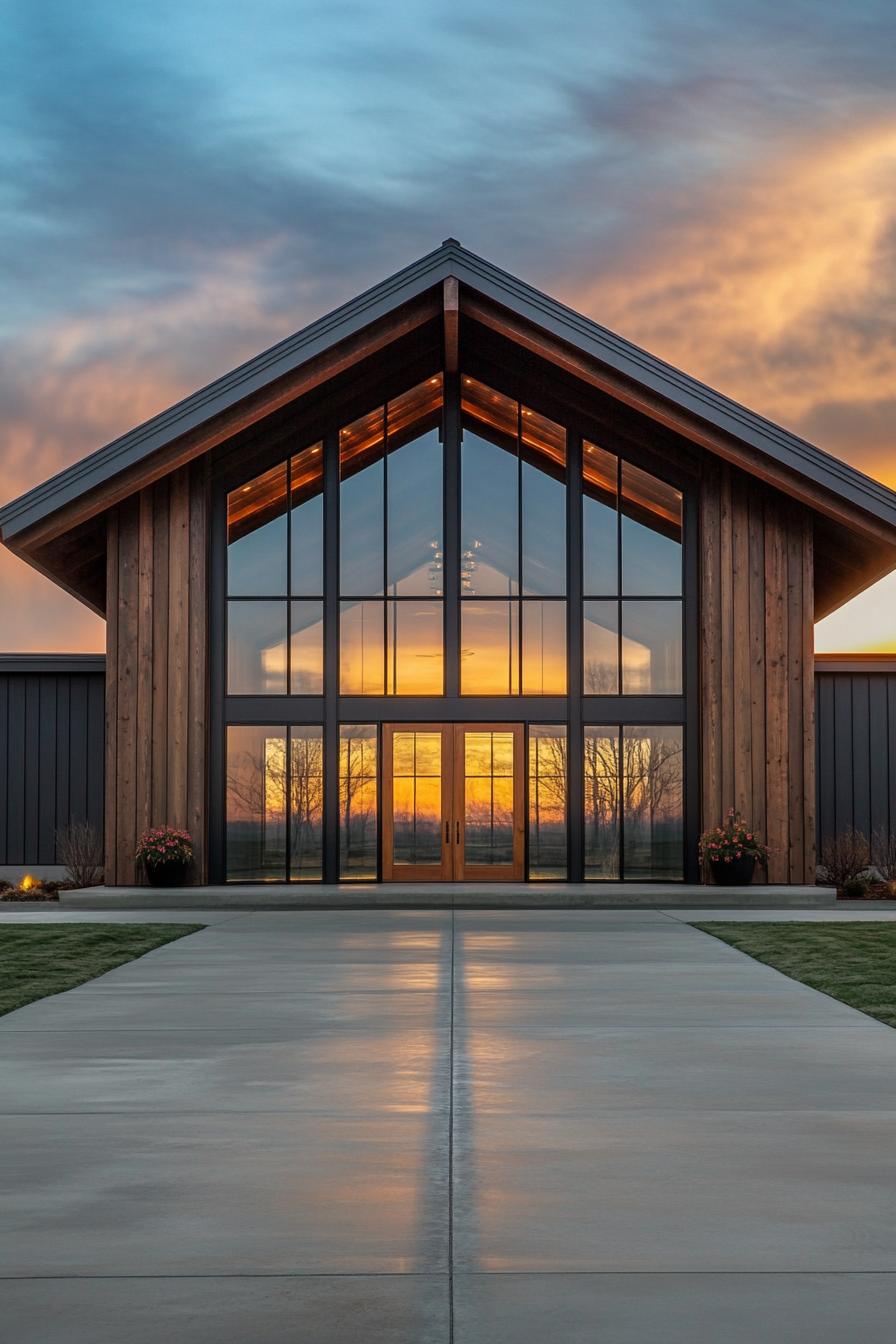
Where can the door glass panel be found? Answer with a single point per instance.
(489, 637)
(488, 798)
(601, 648)
(489, 518)
(255, 771)
(307, 522)
(256, 648)
(306, 671)
(544, 648)
(256, 536)
(601, 802)
(653, 781)
(547, 801)
(415, 659)
(361, 649)
(357, 801)
(307, 802)
(600, 521)
(651, 535)
(417, 798)
(361, 499)
(651, 648)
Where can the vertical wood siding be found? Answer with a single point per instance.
(51, 759)
(756, 666)
(156, 668)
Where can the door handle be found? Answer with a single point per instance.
(447, 832)
(457, 833)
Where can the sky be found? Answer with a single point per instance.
(182, 184)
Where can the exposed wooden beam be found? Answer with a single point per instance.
(451, 320)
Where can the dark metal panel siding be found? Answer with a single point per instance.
(856, 751)
(51, 754)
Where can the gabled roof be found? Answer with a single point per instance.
(764, 447)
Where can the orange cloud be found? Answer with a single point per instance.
(775, 283)
(73, 386)
(778, 287)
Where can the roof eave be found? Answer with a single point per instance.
(771, 443)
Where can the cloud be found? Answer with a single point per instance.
(777, 287)
(180, 186)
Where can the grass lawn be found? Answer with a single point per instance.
(41, 959)
(855, 963)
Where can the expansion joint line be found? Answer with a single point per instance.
(451, 1138)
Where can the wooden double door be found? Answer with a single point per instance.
(453, 799)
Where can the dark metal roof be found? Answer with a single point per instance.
(31, 664)
(861, 663)
(452, 260)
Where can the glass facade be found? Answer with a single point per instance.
(513, 547)
(632, 579)
(358, 800)
(275, 552)
(274, 802)
(634, 802)
(391, 551)
(436, 569)
(547, 801)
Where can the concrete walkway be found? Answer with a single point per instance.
(406, 1127)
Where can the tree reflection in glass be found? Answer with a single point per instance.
(547, 801)
(601, 802)
(306, 811)
(653, 795)
(255, 772)
(358, 812)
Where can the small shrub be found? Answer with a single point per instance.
(856, 888)
(883, 854)
(844, 857)
(81, 851)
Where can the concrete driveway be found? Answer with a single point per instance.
(417, 1127)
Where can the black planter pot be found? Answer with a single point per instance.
(737, 873)
(172, 874)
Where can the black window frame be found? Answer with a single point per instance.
(574, 709)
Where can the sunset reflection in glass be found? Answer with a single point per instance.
(417, 797)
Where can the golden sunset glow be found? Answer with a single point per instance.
(769, 277)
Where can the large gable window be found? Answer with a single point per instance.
(513, 547)
(275, 580)
(391, 557)
(632, 577)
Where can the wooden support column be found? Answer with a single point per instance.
(757, 697)
(157, 669)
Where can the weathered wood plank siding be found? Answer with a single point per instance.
(156, 668)
(756, 667)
